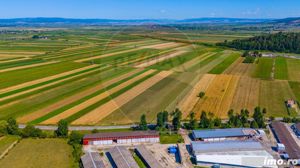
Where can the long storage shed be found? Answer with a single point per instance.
(107, 138)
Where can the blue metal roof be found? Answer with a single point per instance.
(219, 133)
(203, 147)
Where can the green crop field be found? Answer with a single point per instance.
(281, 69)
(264, 68)
(39, 153)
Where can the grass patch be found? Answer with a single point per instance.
(220, 68)
(170, 139)
(281, 69)
(295, 86)
(264, 68)
(6, 141)
(39, 153)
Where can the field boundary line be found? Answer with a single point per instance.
(27, 66)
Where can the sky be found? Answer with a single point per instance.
(150, 9)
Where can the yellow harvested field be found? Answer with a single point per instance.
(240, 68)
(103, 111)
(158, 59)
(28, 66)
(163, 46)
(44, 79)
(73, 98)
(94, 100)
(247, 94)
(190, 100)
(218, 96)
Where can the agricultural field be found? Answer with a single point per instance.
(100, 77)
(39, 153)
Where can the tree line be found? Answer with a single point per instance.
(166, 121)
(279, 42)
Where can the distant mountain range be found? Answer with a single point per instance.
(67, 21)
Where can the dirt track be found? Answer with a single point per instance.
(94, 100)
(101, 112)
(66, 101)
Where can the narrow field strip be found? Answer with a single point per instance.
(16, 87)
(163, 46)
(101, 112)
(27, 66)
(105, 93)
(13, 60)
(18, 92)
(240, 68)
(187, 104)
(221, 67)
(204, 62)
(226, 99)
(192, 62)
(159, 59)
(53, 107)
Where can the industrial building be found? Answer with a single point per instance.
(284, 136)
(223, 134)
(92, 160)
(230, 153)
(122, 157)
(147, 157)
(108, 138)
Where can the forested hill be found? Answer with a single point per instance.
(279, 42)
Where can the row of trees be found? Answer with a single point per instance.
(208, 120)
(279, 42)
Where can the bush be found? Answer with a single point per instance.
(12, 127)
(3, 127)
(249, 59)
(31, 131)
(75, 138)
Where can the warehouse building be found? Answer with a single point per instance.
(284, 137)
(147, 157)
(108, 138)
(230, 153)
(122, 158)
(223, 134)
(92, 160)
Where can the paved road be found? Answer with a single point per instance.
(81, 128)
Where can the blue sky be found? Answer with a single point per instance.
(150, 9)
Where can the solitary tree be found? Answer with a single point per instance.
(143, 123)
(62, 129)
(201, 94)
(165, 117)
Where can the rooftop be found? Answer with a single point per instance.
(92, 160)
(148, 157)
(219, 133)
(206, 147)
(122, 157)
(284, 136)
(113, 135)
